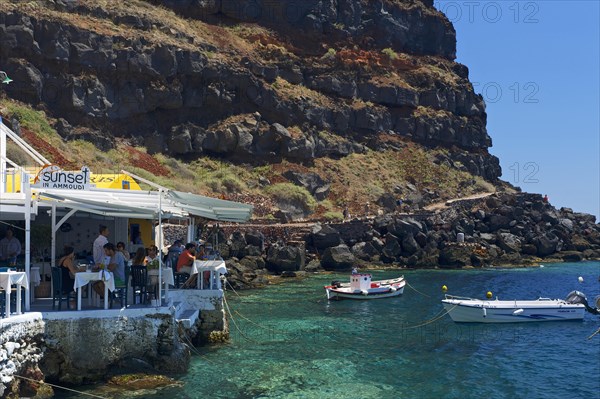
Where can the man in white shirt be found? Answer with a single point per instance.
(10, 248)
(99, 242)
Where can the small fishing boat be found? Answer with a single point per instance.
(469, 310)
(361, 287)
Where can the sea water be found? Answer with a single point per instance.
(288, 341)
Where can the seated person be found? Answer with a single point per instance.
(116, 264)
(140, 257)
(186, 259)
(174, 251)
(152, 254)
(121, 248)
(68, 269)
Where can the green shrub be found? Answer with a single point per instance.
(330, 54)
(390, 53)
(289, 193)
(232, 184)
(31, 119)
(333, 216)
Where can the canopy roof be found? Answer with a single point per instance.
(145, 204)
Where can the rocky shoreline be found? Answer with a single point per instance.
(503, 229)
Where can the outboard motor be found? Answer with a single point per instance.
(576, 297)
(336, 284)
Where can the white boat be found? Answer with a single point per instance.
(361, 287)
(469, 310)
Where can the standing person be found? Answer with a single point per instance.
(10, 248)
(99, 243)
(116, 264)
(121, 249)
(545, 199)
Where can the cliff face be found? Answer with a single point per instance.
(251, 81)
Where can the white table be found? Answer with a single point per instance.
(215, 267)
(168, 278)
(7, 280)
(83, 278)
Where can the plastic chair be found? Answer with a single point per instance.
(139, 282)
(121, 290)
(59, 293)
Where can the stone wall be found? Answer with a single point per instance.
(87, 346)
(21, 348)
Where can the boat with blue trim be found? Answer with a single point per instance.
(469, 310)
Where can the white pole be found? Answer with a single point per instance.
(160, 246)
(3, 177)
(53, 247)
(25, 184)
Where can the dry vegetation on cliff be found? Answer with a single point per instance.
(368, 109)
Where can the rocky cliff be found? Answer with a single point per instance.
(255, 81)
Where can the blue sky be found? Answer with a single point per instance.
(537, 65)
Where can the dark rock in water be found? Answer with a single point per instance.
(285, 258)
(324, 236)
(571, 256)
(313, 266)
(288, 274)
(337, 258)
(142, 381)
(529, 249)
(455, 256)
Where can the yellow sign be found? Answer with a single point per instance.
(112, 181)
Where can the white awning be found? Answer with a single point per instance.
(145, 204)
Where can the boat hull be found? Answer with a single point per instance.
(376, 293)
(476, 311)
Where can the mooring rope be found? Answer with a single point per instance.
(234, 323)
(60, 387)
(433, 320)
(233, 289)
(597, 332)
(416, 290)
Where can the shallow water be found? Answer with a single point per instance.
(288, 341)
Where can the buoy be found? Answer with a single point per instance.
(484, 312)
(364, 292)
(580, 279)
(393, 289)
(488, 295)
(444, 288)
(518, 312)
(541, 265)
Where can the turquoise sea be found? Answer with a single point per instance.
(288, 341)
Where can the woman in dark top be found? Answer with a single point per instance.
(68, 269)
